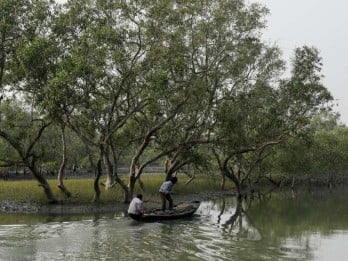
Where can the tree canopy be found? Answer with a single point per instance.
(164, 80)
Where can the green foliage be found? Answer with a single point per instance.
(329, 153)
(18, 125)
(292, 158)
(142, 81)
(325, 153)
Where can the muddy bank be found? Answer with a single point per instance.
(66, 207)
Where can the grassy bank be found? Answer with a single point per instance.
(82, 189)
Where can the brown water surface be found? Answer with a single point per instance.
(282, 226)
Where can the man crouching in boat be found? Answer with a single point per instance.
(135, 209)
(165, 190)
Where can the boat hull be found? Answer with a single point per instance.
(182, 210)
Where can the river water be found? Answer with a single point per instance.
(281, 226)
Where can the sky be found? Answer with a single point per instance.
(319, 23)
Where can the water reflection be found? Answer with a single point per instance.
(311, 226)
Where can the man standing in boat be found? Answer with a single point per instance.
(165, 190)
(135, 209)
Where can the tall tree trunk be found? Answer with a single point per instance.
(229, 173)
(61, 172)
(43, 183)
(117, 178)
(134, 176)
(97, 175)
(193, 176)
(133, 172)
(111, 177)
(131, 185)
(110, 180)
(223, 181)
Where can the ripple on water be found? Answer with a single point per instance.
(211, 235)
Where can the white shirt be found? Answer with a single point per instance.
(136, 206)
(166, 187)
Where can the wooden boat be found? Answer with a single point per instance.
(181, 210)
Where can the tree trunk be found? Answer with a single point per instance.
(133, 172)
(169, 175)
(110, 180)
(61, 172)
(97, 175)
(111, 177)
(131, 186)
(193, 175)
(141, 184)
(223, 181)
(133, 178)
(44, 184)
(235, 180)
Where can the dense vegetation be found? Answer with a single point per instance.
(188, 85)
(318, 158)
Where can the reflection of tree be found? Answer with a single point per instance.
(236, 220)
(223, 206)
(239, 221)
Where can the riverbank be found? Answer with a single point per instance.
(66, 207)
(25, 196)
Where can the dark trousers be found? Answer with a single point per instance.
(164, 198)
(135, 216)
